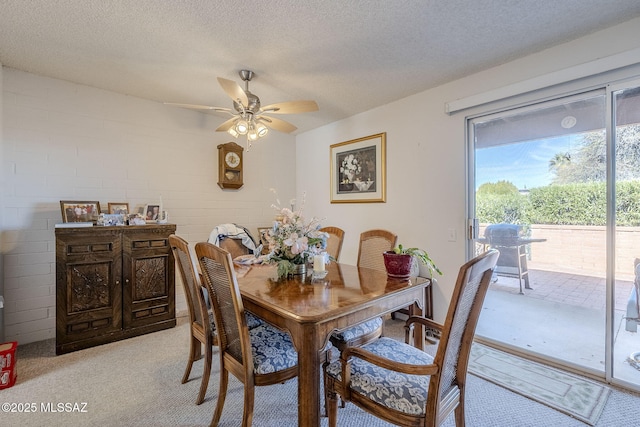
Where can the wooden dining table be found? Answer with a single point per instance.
(311, 309)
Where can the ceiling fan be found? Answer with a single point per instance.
(249, 117)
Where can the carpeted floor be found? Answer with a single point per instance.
(136, 382)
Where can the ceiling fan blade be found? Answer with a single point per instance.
(291, 107)
(277, 124)
(234, 91)
(226, 125)
(199, 107)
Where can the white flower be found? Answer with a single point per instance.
(292, 239)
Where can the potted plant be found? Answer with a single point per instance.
(399, 261)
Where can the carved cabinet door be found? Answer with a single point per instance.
(148, 274)
(89, 268)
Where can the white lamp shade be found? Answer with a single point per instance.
(262, 130)
(242, 127)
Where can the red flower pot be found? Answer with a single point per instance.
(398, 265)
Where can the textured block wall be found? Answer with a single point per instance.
(63, 141)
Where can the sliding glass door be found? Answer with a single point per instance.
(556, 188)
(626, 239)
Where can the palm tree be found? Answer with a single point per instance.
(559, 161)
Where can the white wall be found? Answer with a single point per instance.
(426, 157)
(63, 141)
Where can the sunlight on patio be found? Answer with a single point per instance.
(561, 318)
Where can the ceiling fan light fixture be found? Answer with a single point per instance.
(252, 135)
(242, 127)
(262, 130)
(248, 117)
(232, 131)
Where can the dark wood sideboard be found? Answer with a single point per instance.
(112, 283)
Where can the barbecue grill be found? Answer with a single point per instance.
(511, 242)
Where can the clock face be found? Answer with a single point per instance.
(232, 159)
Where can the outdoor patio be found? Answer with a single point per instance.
(567, 288)
(560, 319)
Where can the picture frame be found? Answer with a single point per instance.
(358, 170)
(79, 211)
(151, 213)
(262, 240)
(121, 208)
(111, 219)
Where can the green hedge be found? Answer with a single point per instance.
(568, 204)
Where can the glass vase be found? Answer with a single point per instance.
(298, 270)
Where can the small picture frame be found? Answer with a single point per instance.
(358, 170)
(111, 219)
(152, 213)
(79, 211)
(118, 208)
(262, 237)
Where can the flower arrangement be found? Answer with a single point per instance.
(294, 241)
(350, 167)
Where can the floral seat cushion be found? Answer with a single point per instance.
(402, 392)
(359, 330)
(253, 321)
(272, 349)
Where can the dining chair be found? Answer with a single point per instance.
(372, 244)
(234, 238)
(260, 356)
(334, 243)
(202, 329)
(233, 246)
(404, 385)
(201, 325)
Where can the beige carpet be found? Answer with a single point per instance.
(136, 382)
(576, 396)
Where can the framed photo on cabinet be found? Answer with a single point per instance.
(118, 208)
(79, 211)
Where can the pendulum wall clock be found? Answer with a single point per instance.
(230, 165)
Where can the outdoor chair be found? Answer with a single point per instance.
(334, 243)
(260, 356)
(404, 385)
(509, 241)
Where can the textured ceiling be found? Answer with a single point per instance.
(348, 55)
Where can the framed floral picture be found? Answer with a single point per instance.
(358, 170)
(79, 211)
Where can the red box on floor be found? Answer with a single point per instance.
(8, 364)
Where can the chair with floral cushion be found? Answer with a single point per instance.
(260, 356)
(334, 242)
(372, 244)
(404, 385)
(202, 333)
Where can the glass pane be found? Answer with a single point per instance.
(540, 179)
(626, 350)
